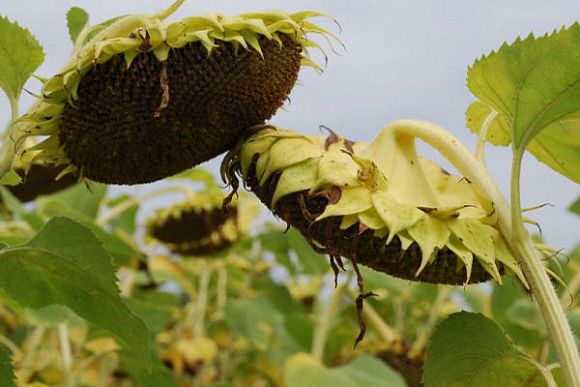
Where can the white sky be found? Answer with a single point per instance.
(404, 59)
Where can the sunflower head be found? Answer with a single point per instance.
(41, 179)
(378, 204)
(201, 225)
(142, 98)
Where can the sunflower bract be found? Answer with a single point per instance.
(377, 204)
(144, 99)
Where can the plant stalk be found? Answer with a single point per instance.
(201, 304)
(426, 330)
(66, 354)
(10, 140)
(542, 289)
(510, 225)
(323, 323)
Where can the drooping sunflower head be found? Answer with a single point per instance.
(377, 204)
(38, 178)
(41, 180)
(201, 225)
(142, 98)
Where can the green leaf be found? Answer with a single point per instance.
(575, 207)
(534, 85)
(20, 56)
(76, 19)
(53, 315)
(197, 175)
(303, 370)
(263, 325)
(14, 205)
(122, 252)
(127, 221)
(11, 178)
(6, 369)
(517, 314)
(154, 308)
(558, 146)
(159, 375)
(79, 199)
(470, 350)
(312, 262)
(66, 264)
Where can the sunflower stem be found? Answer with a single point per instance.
(66, 354)
(542, 289)
(10, 140)
(427, 329)
(222, 292)
(201, 304)
(510, 225)
(325, 314)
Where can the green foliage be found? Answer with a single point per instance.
(6, 369)
(468, 349)
(10, 178)
(158, 376)
(12, 203)
(575, 207)
(69, 266)
(76, 19)
(534, 85)
(20, 56)
(303, 371)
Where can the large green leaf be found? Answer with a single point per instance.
(558, 146)
(534, 85)
(66, 264)
(79, 198)
(470, 350)
(20, 56)
(76, 19)
(302, 370)
(6, 369)
(123, 253)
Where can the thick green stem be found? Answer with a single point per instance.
(10, 138)
(514, 234)
(542, 289)
(323, 323)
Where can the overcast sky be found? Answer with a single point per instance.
(404, 59)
